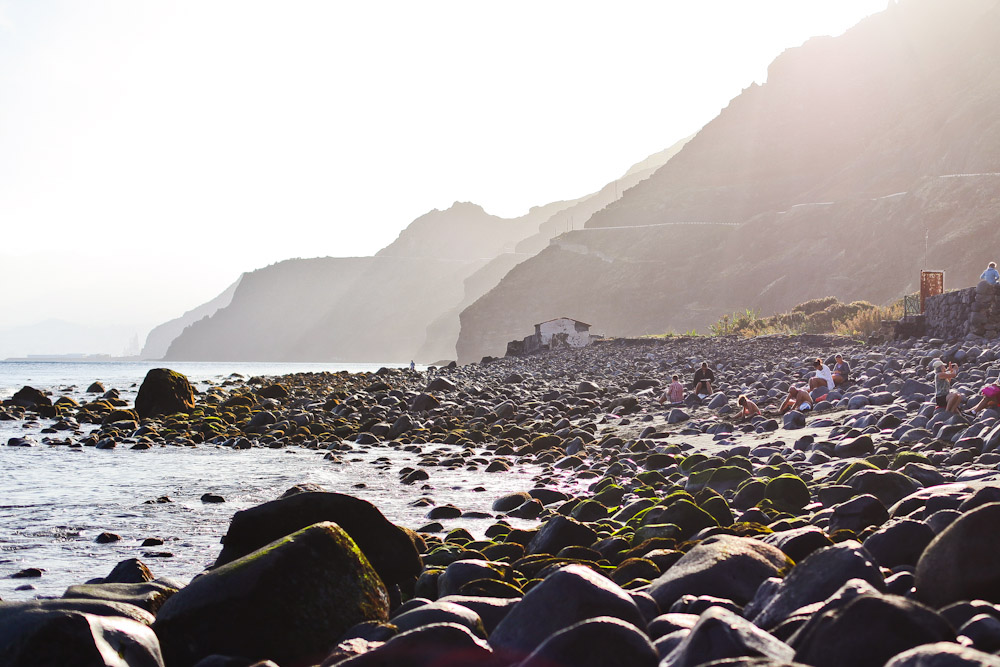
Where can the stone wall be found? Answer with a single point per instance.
(956, 314)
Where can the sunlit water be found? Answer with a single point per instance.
(55, 501)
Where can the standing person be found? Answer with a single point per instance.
(944, 395)
(841, 370)
(991, 275)
(413, 366)
(674, 392)
(823, 376)
(703, 379)
(798, 399)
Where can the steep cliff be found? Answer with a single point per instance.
(833, 177)
(159, 339)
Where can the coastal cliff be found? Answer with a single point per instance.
(863, 159)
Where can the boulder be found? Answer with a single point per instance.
(164, 392)
(440, 612)
(597, 642)
(899, 542)
(423, 402)
(888, 486)
(719, 634)
(288, 601)
(868, 631)
(943, 654)
(387, 547)
(29, 397)
(818, 577)
(427, 646)
(558, 533)
(93, 607)
(724, 566)
(148, 595)
(441, 384)
(62, 637)
(858, 513)
(568, 596)
(963, 561)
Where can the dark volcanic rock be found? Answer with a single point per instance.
(428, 646)
(559, 532)
(724, 566)
(597, 642)
(387, 547)
(867, 631)
(720, 634)
(62, 637)
(963, 562)
(567, 596)
(289, 602)
(164, 392)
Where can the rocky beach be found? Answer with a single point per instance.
(861, 532)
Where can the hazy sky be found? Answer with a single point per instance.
(150, 152)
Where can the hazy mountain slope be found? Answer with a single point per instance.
(270, 309)
(442, 333)
(808, 165)
(159, 339)
(361, 308)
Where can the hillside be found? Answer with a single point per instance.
(401, 304)
(159, 339)
(827, 179)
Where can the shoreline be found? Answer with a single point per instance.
(649, 485)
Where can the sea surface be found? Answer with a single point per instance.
(56, 500)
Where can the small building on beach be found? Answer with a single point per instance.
(561, 332)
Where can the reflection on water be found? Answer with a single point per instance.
(57, 500)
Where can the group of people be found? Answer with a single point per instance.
(826, 379)
(798, 399)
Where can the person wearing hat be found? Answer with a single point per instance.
(944, 395)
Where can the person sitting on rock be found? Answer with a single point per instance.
(991, 275)
(944, 396)
(841, 370)
(750, 408)
(674, 392)
(798, 399)
(703, 379)
(823, 376)
(990, 399)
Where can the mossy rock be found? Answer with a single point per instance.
(288, 601)
(879, 460)
(589, 510)
(749, 494)
(728, 477)
(688, 516)
(854, 467)
(690, 461)
(164, 392)
(719, 509)
(902, 458)
(655, 530)
(787, 492)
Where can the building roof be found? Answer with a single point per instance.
(562, 318)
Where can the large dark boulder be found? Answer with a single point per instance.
(868, 631)
(29, 397)
(164, 392)
(818, 577)
(387, 547)
(148, 595)
(724, 566)
(567, 596)
(436, 645)
(720, 634)
(84, 606)
(899, 542)
(963, 561)
(72, 638)
(598, 642)
(560, 532)
(288, 602)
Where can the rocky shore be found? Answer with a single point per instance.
(862, 532)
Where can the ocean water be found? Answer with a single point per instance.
(55, 500)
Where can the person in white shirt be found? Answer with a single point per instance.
(822, 377)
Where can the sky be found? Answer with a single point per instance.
(151, 152)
